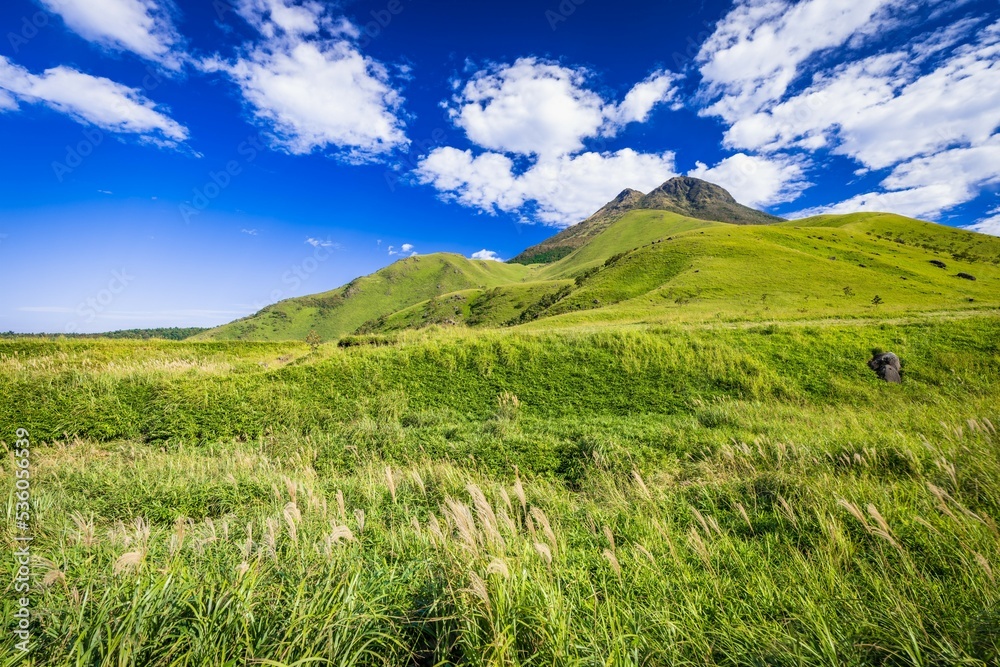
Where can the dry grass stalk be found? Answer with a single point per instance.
(292, 517)
(248, 544)
(505, 497)
(177, 539)
(338, 533)
(543, 522)
(340, 505)
(519, 493)
(434, 528)
(498, 567)
(640, 484)
(85, 534)
(609, 536)
(613, 560)
(390, 482)
(478, 588)
(359, 517)
(787, 510)
(418, 481)
(698, 545)
(487, 517)
(646, 554)
(985, 564)
(461, 517)
(131, 560)
(743, 513)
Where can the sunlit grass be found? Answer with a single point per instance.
(683, 496)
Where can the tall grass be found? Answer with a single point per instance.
(621, 498)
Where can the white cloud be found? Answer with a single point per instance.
(316, 243)
(143, 27)
(928, 111)
(273, 16)
(544, 111)
(990, 225)
(405, 249)
(253, 232)
(758, 48)
(639, 102)
(925, 187)
(880, 110)
(308, 82)
(756, 180)
(7, 101)
(529, 108)
(487, 255)
(563, 190)
(94, 100)
(921, 202)
(539, 108)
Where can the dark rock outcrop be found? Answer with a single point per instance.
(887, 366)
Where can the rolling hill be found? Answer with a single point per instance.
(342, 310)
(660, 258)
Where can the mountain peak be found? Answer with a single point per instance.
(685, 195)
(626, 200)
(700, 199)
(694, 191)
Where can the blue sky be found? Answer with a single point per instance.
(185, 163)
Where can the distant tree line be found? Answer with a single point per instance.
(165, 333)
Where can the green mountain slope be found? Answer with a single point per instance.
(345, 309)
(906, 231)
(728, 272)
(499, 306)
(636, 264)
(556, 247)
(633, 230)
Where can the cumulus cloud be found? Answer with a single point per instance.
(92, 100)
(988, 225)
(143, 27)
(310, 85)
(7, 101)
(529, 108)
(273, 17)
(927, 186)
(562, 190)
(639, 102)
(879, 112)
(488, 255)
(756, 180)
(532, 119)
(756, 50)
(540, 108)
(928, 112)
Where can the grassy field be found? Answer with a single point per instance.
(712, 493)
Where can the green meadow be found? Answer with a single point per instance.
(711, 493)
